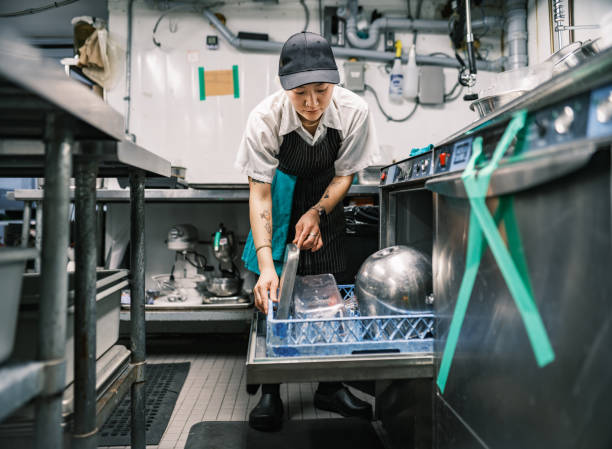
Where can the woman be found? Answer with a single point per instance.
(320, 135)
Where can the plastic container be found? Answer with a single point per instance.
(108, 298)
(350, 334)
(396, 78)
(411, 77)
(317, 296)
(12, 264)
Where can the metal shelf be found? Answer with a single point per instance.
(52, 126)
(240, 193)
(19, 383)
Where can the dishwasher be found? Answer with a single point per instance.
(402, 371)
(499, 384)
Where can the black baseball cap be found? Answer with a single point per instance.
(307, 58)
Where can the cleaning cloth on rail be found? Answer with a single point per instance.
(283, 186)
(511, 262)
(417, 151)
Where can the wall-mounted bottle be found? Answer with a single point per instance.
(411, 77)
(396, 79)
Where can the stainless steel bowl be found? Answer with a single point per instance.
(573, 54)
(486, 105)
(224, 286)
(394, 280)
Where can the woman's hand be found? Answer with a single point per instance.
(307, 232)
(266, 284)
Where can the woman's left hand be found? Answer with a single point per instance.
(307, 232)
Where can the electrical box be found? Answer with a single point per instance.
(431, 85)
(389, 40)
(353, 75)
(212, 42)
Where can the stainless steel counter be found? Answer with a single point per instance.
(209, 194)
(36, 94)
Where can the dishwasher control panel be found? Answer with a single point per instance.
(588, 115)
(411, 169)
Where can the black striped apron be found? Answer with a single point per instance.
(314, 167)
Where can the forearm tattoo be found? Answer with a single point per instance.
(257, 181)
(267, 218)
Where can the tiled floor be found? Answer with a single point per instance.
(215, 390)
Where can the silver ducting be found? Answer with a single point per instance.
(371, 55)
(515, 30)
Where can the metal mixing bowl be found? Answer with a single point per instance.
(394, 280)
(486, 105)
(224, 286)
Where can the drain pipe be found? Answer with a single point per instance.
(372, 55)
(128, 72)
(397, 23)
(516, 34)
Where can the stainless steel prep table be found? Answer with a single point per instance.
(220, 319)
(39, 103)
(209, 194)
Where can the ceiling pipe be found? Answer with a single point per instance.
(515, 31)
(400, 24)
(344, 52)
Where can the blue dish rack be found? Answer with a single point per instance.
(351, 334)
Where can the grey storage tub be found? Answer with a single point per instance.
(108, 303)
(12, 264)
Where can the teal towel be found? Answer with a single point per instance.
(417, 151)
(282, 200)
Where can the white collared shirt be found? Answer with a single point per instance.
(275, 117)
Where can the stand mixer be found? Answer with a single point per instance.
(189, 267)
(226, 288)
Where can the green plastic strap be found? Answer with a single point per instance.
(512, 264)
(474, 254)
(216, 240)
(236, 83)
(201, 81)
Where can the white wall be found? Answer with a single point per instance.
(169, 119)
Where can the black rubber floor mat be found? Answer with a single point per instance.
(163, 383)
(339, 433)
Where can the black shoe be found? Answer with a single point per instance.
(344, 402)
(268, 413)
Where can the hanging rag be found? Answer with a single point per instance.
(283, 186)
(417, 151)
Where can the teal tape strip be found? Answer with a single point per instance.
(201, 81)
(217, 240)
(512, 264)
(236, 83)
(474, 254)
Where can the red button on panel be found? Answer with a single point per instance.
(443, 159)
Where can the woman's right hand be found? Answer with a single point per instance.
(266, 284)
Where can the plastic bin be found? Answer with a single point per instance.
(12, 264)
(108, 303)
(351, 334)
